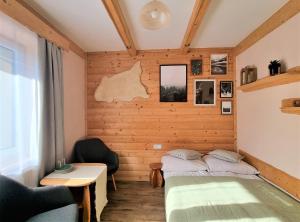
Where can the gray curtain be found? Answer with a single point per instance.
(52, 112)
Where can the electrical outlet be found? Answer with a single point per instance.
(157, 146)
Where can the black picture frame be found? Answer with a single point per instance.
(173, 82)
(196, 67)
(226, 107)
(219, 64)
(226, 89)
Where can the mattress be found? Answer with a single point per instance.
(168, 174)
(228, 199)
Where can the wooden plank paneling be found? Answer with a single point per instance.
(283, 180)
(131, 128)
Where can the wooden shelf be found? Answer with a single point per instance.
(291, 110)
(292, 75)
(287, 106)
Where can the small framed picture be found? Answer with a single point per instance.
(196, 67)
(226, 89)
(173, 83)
(204, 92)
(226, 107)
(218, 64)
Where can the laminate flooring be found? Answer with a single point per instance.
(134, 202)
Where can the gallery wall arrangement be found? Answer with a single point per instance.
(131, 128)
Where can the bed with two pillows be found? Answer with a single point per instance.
(220, 186)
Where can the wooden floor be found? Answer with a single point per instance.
(134, 201)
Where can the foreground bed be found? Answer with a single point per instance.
(225, 198)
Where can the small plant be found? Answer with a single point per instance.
(274, 67)
(275, 62)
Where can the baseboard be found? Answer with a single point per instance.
(285, 181)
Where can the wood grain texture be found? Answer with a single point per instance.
(72, 45)
(270, 81)
(291, 8)
(115, 12)
(276, 176)
(134, 202)
(131, 128)
(199, 10)
(287, 106)
(23, 13)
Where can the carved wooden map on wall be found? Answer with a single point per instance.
(124, 86)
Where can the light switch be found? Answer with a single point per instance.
(157, 146)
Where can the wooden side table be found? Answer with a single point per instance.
(54, 179)
(156, 179)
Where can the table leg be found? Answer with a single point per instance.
(86, 204)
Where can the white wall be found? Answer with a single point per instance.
(74, 100)
(262, 129)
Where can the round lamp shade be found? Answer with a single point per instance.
(155, 15)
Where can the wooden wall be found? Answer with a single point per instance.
(131, 128)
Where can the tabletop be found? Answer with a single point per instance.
(84, 174)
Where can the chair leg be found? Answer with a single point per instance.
(114, 182)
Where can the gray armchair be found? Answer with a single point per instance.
(44, 204)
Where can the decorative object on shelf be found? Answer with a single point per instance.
(226, 107)
(226, 89)
(243, 76)
(196, 66)
(173, 83)
(204, 92)
(274, 67)
(248, 75)
(297, 103)
(218, 64)
(155, 15)
(292, 75)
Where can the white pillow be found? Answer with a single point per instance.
(217, 165)
(171, 163)
(226, 155)
(185, 154)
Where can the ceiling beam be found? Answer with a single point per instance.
(23, 13)
(114, 10)
(287, 11)
(72, 45)
(200, 9)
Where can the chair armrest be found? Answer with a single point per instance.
(51, 197)
(113, 158)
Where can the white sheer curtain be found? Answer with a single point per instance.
(19, 102)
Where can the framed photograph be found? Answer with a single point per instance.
(173, 83)
(196, 66)
(218, 64)
(226, 89)
(226, 107)
(205, 92)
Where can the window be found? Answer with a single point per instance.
(19, 101)
(7, 111)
